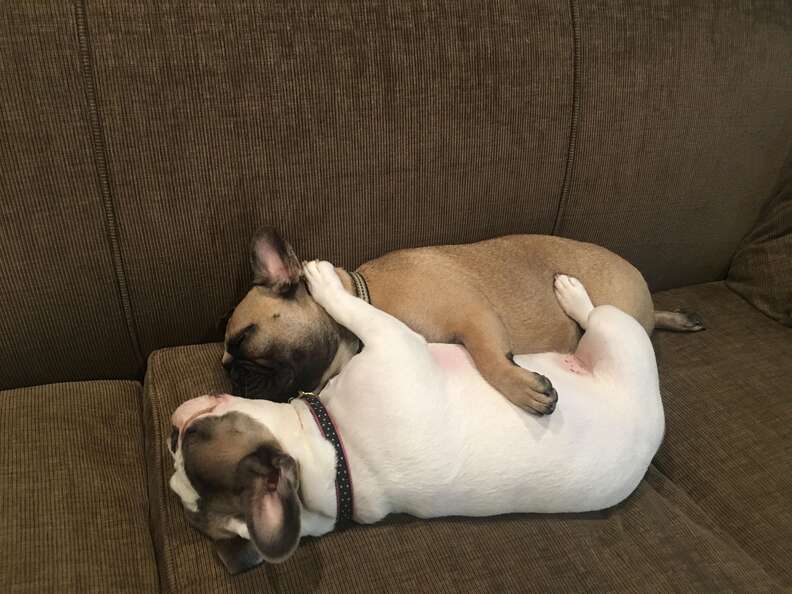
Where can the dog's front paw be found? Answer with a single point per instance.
(531, 391)
(322, 280)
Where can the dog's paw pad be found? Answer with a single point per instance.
(693, 322)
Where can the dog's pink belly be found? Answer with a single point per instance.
(451, 357)
(455, 358)
(574, 365)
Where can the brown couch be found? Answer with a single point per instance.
(144, 142)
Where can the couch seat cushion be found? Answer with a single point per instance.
(657, 540)
(728, 400)
(72, 490)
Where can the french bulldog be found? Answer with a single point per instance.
(418, 430)
(494, 297)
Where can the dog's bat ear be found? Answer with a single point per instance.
(274, 263)
(270, 502)
(238, 554)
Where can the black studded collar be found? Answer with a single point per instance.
(343, 482)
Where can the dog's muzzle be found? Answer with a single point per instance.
(252, 380)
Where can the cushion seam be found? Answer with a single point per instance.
(573, 125)
(150, 392)
(719, 532)
(99, 151)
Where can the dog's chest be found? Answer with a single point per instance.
(434, 445)
(452, 358)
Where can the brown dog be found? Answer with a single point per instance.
(495, 297)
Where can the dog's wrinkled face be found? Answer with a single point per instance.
(235, 481)
(278, 339)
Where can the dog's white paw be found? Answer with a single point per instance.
(573, 298)
(322, 280)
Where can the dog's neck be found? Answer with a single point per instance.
(346, 281)
(317, 462)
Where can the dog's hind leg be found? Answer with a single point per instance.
(487, 340)
(614, 343)
(573, 298)
(678, 321)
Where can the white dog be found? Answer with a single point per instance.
(420, 433)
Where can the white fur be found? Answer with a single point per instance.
(426, 435)
(180, 484)
(238, 527)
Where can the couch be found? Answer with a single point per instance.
(144, 142)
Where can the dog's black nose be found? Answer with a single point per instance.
(227, 363)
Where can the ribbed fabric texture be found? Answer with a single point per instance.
(728, 399)
(356, 127)
(661, 539)
(61, 315)
(146, 142)
(684, 122)
(72, 491)
(99, 151)
(761, 270)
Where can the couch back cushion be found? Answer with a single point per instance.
(148, 141)
(684, 121)
(761, 270)
(61, 314)
(657, 131)
(356, 128)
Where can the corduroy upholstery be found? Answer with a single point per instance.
(72, 490)
(358, 127)
(457, 112)
(62, 316)
(728, 400)
(355, 126)
(761, 270)
(669, 169)
(660, 539)
(144, 142)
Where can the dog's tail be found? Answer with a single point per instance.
(678, 321)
